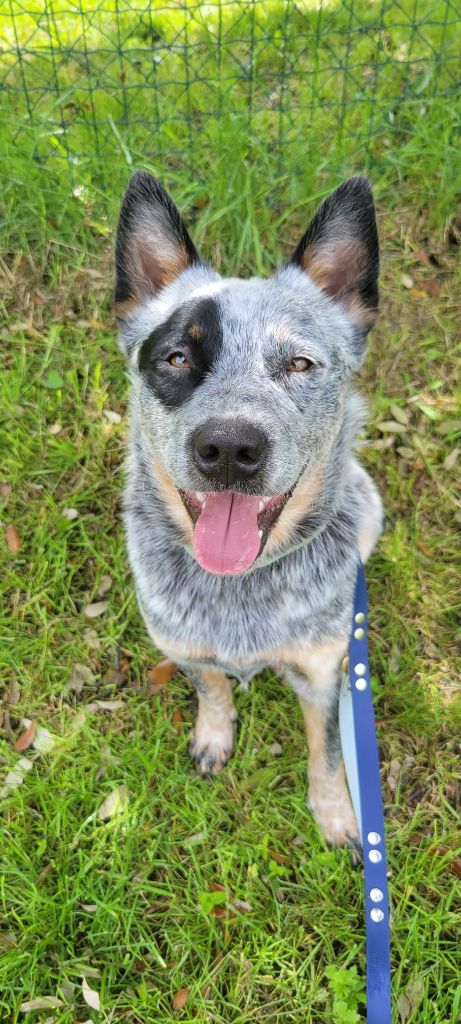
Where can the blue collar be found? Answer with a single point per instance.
(360, 754)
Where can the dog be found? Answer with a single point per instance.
(245, 507)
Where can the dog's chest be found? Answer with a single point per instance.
(234, 623)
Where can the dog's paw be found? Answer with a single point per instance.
(212, 743)
(337, 823)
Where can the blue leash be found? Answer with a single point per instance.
(360, 754)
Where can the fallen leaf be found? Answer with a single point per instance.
(408, 1002)
(399, 414)
(448, 427)
(406, 453)
(395, 768)
(455, 863)
(44, 740)
(112, 416)
(90, 996)
(97, 608)
(14, 693)
(418, 293)
(105, 705)
(407, 281)
(217, 887)
(114, 804)
(13, 539)
(424, 548)
(80, 675)
(178, 720)
(91, 639)
(16, 776)
(452, 458)
(276, 749)
(88, 907)
(242, 905)
(391, 426)
(70, 514)
(41, 1003)
(55, 429)
(180, 998)
(432, 287)
(104, 585)
(161, 674)
(97, 324)
(26, 739)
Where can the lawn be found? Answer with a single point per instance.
(224, 888)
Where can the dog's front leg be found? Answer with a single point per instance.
(315, 678)
(214, 729)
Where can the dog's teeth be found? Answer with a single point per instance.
(260, 533)
(261, 506)
(199, 496)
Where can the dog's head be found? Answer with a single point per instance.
(240, 386)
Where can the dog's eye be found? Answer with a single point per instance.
(299, 365)
(179, 361)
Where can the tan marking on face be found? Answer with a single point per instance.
(303, 498)
(307, 491)
(195, 332)
(172, 499)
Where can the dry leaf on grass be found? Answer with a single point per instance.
(114, 804)
(408, 1002)
(26, 739)
(104, 585)
(160, 675)
(41, 1003)
(70, 514)
(16, 776)
(97, 608)
(180, 998)
(112, 416)
(13, 540)
(80, 675)
(105, 705)
(91, 639)
(399, 414)
(43, 740)
(178, 720)
(452, 458)
(407, 281)
(55, 429)
(90, 996)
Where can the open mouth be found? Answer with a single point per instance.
(231, 528)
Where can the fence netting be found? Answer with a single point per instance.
(89, 85)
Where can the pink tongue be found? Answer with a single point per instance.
(226, 537)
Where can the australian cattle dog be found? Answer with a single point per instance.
(245, 505)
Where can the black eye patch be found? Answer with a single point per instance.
(194, 329)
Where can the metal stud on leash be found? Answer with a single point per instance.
(360, 754)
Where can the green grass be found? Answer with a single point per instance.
(130, 903)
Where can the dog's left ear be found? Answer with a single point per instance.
(340, 251)
(153, 245)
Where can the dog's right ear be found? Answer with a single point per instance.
(153, 245)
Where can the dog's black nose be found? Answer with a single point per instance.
(229, 451)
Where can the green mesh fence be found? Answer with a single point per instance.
(90, 88)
